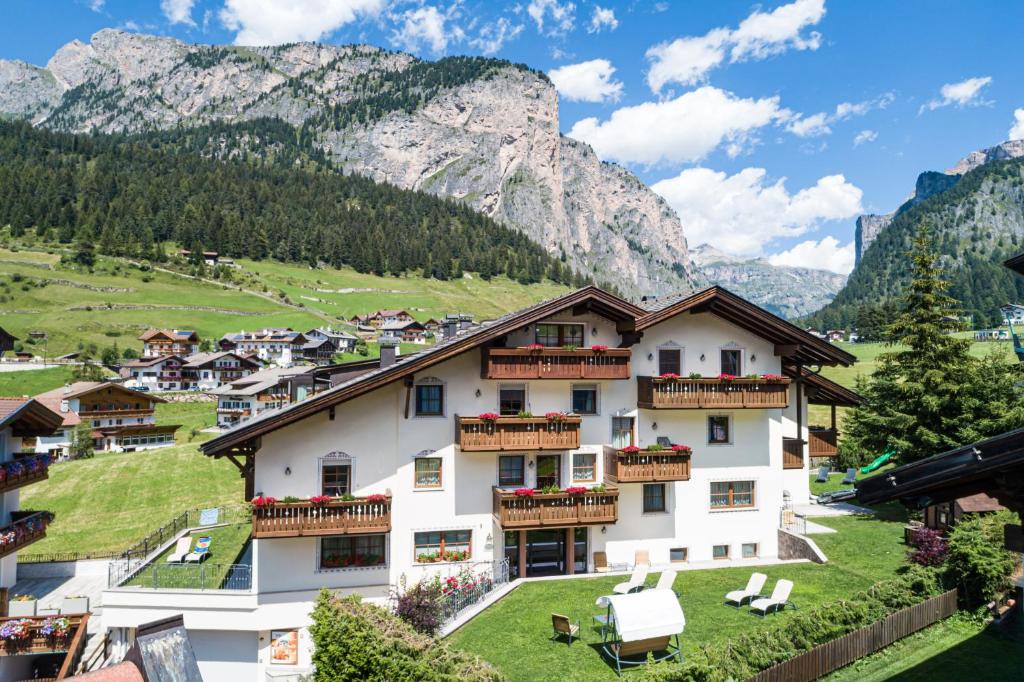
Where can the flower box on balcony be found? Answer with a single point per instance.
(561, 509)
(518, 433)
(371, 514)
(673, 392)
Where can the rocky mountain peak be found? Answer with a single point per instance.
(1011, 149)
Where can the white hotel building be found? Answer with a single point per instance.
(410, 432)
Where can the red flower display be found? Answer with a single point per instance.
(631, 448)
(524, 492)
(671, 376)
(377, 497)
(576, 490)
(682, 449)
(599, 348)
(489, 416)
(320, 499)
(535, 346)
(772, 377)
(262, 501)
(726, 377)
(555, 416)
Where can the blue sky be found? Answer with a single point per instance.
(769, 127)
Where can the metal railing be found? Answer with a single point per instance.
(473, 583)
(204, 576)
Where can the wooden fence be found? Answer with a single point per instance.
(826, 658)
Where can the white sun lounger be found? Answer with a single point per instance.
(751, 591)
(636, 580)
(181, 550)
(666, 580)
(776, 602)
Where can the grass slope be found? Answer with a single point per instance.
(34, 381)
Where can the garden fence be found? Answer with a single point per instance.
(204, 576)
(483, 578)
(830, 656)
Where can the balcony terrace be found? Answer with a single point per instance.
(553, 510)
(647, 466)
(475, 434)
(70, 641)
(27, 469)
(822, 442)
(334, 517)
(556, 363)
(24, 530)
(657, 393)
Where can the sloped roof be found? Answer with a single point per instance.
(979, 503)
(28, 416)
(149, 362)
(176, 334)
(81, 388)
(823, 391)
(401, 326)
(197, 360)
(258, 382)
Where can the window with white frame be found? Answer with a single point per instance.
(584, 399)
(428, 473)
(335, 476)
(444, 545)
(352, 551)
(584, 467)
(732, 494)
(720, 552)
(749, 550)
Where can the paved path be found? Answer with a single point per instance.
(834, 509)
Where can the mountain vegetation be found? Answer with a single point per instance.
(977, 223)
(131, 194)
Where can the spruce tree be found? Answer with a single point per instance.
(928, 393)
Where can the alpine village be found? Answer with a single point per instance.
(337, 344)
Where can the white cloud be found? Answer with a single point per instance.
(424, 27)
(684, 129)
(820, 123)
(601, 19)
(178, 11)
(742, 213)
(562, 16)
(809, 126)
(966, 93)
(494, 35)
(865, 136)
(1017, 130)
(826, 254)
(587, 81)
(688, 60)
(97, 5)
(269, 22)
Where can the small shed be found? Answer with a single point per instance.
(945, 515)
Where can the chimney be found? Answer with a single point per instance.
(448, 329)
(388, 354)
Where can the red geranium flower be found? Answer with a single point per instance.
(377, 497)
(670, 375)
(631, 448)
(684, 449)
(489, 416)
(599, 348)
(524, 492)
(576, 490)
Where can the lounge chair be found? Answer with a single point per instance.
(600, 562)
(775, 603)
(748, 593)
(201, 551)
(561, 625)
(642, 558)
(636, 580)
(822, 475)
(181, 550)
(851, 476)
(666, 580)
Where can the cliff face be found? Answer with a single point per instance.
(1011, 149)
(868, 227)
(786, 291)
(481, 131)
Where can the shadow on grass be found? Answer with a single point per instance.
(985, 656)
(631, 663)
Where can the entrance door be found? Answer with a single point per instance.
(545, 552)
(549, 469)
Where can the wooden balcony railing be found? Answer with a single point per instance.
(23, 471)
(556, 363)
(674, 394)
(555, 509)
(822, 442)
(337, 517)
(517, 433)
(23, 532)
(792, 453)
(646, 467)
(37, 643)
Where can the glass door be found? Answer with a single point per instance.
(622, 432)
(545, 552)
(549, 469)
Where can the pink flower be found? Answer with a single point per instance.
(599, 348)
(264, 501)
(524, 492)
(631, 448)
(377, 497)
(320, 499)
(726, 377)
(772, 377)
(682, 449)
(489, 416)
(535, 346)
(576, 490)
(672, 376)
(555, 416)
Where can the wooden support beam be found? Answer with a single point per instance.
(833, 416)
(522, 554)
(570, 551)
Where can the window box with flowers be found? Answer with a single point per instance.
(320, 515)
(654, 464)
(490, 432)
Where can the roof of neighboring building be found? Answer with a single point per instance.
(175, 334)
(331, 333)
(979, 504)
(1016, 263)
(390, 313)
(313, 344)
(822, 391)
(81, 388)
(149, 362)
(401, 326)
(122, 672)
(257, 382)
(28, 416)
(198, 360)
(266, 335)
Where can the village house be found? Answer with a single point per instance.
(156, 373)
(206, 371)
(945, 515)
(268, 389)
(433, 326)
(210, 258)
(383, 317)
(273, 346)
(343, 341)
(585, 407)
(1013, 312)
(320, 351)
(6, 342)
(122, 419)
(157, 342)
(408, 332)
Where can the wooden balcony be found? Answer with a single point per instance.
(22, 475)
(23, 531)
(792, 453)
(36, 643)
(646, 467)
(556, 363)
(517, 433)
(655, 393)
(295, 519)
(555, 510)
(822, 442)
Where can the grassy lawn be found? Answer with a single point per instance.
(863, 552)
(34, 381)
(955, 649)
(193, 415)
(226, 544)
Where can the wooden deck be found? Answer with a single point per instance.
(23, 532)
(72, 644)
(295, 519)
(646, 467)
(655, 393)
(10, 482)
(792, 453)
(555, 510)
(517, 433)
(822, 442)
(556, 363)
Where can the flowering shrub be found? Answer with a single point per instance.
(556, 416)
(631, 449)
(576, 490)
(465, 582)
(930, 548)
(599, 348)
(773, 377)
(670, 376)
(488, 416)
(726, 377)
(263, 501)
(376, 497)
(55, 627)
(320, 499)
(16, 630)
(682, 449)
(420, 606)
(524, 492)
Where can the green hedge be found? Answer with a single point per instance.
(357, 641)
(744, 656)
(977, 562)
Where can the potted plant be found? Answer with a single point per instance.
(696, 375)
(524, 492)
(576, 490)
(571, 347)
(524, 414)
(682, 449)
(599, 488)
(55, 628)
(669, 376)
(74, 604)
(631, 449)
(320, 500)
(773, 378)
(21, 605)
(550, 489)
(655, 447)
(488, 416)
(726, 377)
(534, 347)
(261, 501)
(376, 497)
(16, 632)
(556, 416)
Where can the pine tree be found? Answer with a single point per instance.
(929, 394)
